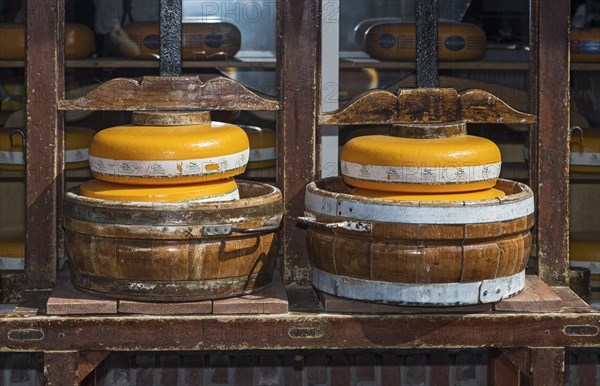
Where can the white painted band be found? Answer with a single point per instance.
(16, 157)
(169, 168)
(437, 294)
(265, 154)
(492, 211)
(421, 174)
(594, 266)
(12, 263)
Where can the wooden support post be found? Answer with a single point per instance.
(547, 366)
(507, 365)
(549, 160)
(299, 83)
(88, 361)
(44, 151)
(60, 368)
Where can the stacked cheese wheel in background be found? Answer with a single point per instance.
(405, 167)
(200, 41)
(79, 41)
(585, 45)
(77, 141)
(167, 157)
(387, 39)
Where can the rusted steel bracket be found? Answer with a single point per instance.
(425, 105)
(171, 93)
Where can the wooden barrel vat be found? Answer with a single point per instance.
(182, 251)
(418, 252)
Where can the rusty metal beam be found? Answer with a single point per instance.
(44, 151)
(426, 13)
(299, 84)
(170, 37)
(549, 160)
(298, 331)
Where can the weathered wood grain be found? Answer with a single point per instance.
(298, 55)
(44, 150)
(270, 300)
(66, 300)
(549, 144)
(422, 106)
(536, 297)
(171, 93)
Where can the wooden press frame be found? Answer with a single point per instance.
(530, 343)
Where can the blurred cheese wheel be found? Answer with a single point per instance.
(79, 41)
(168, 155)
(200, 41)
(12, 251)
(585, 45)
(397, 41)
(585, 151)
(262, 147)
(77, 142)
(485, 194)
(222, 190)
(397, 164)
(585, 252)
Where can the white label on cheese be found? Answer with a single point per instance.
(420, 174)
(169, 168)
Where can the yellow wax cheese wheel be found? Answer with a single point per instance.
(12, 251)
(164, 155)
(485, 194)
(200, 41)
(397, 41)
(77, 142)
(222, 190)
(585, 45)
(79, 41)
(585, 252)
(262, 147)
(397, 164)
(585, 151)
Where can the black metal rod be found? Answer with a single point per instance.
(427, 43)
(170, 37)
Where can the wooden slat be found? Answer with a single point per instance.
(66, 300)
(149, 308)
(298, 48)
(570, 301)
(536, 297)
(549, 145)
(336, 304)
(170, 93)
(44, 151)
(291, 331)
(547, 366)
(269, 300)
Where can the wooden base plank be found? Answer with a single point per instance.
(148, 308)
(341, 305)
(571, 302)
(269, 300)
(66, 300)
(536, 297)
